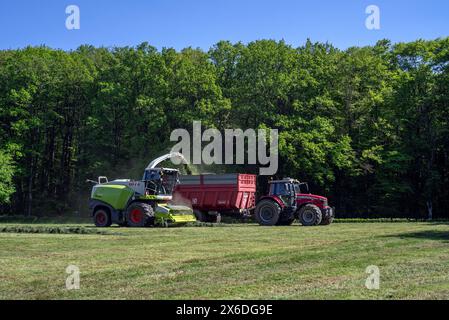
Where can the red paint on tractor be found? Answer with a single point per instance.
(306, 198)
(275, 199)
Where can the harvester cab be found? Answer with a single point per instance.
(140, 203)
(160, 181)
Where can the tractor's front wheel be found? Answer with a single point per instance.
(102, 218)
(139, 215)
(267, 212)
(327, 220)
(310, 215)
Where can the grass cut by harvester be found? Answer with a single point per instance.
(242, 261)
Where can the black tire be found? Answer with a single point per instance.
(310, 215)
(204, 216)
(212, 218)
(199, 215)
(139, 215)
(287, 222)
(102, 218)
(327, 220)
(267, 212)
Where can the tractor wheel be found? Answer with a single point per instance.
(287, 222)
(139, 215)
(204, 216)
(328, 219)
(267, 212)
(310, 215)
(102, 218)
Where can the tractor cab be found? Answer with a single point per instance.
(160, 181)
(285, 190)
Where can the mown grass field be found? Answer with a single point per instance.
(230, 262)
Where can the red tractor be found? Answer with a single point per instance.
(289, 199)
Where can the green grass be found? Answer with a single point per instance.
(231, 262)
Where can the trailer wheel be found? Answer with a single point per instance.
(204, 216)
(102, 218)
(139, 215)
(267, 213)
(211, 218)
(310, 215)
(199, 215)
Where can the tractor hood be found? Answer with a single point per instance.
(310, 197)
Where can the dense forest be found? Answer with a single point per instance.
(367, 126)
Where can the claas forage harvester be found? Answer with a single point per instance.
(142, 203)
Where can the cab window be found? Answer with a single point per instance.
(280, 189)
(297, 188)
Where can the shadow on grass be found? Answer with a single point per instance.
(34, 220)
(53, 230)
(439, 223)
(171, 226)
(425, 235)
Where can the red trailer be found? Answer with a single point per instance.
(210, 194)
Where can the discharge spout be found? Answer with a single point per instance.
(153, 164)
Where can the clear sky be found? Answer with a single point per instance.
(201, 23)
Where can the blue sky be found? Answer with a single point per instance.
(201, 23)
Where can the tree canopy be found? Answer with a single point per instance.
(366, 126)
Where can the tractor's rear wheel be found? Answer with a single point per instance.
(267, 212)
(310, 215)
(102, 218)
(139, 214)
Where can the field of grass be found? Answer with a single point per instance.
(241, 261)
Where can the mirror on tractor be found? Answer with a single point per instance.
(302, 187)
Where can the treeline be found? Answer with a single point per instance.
(367, 127)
